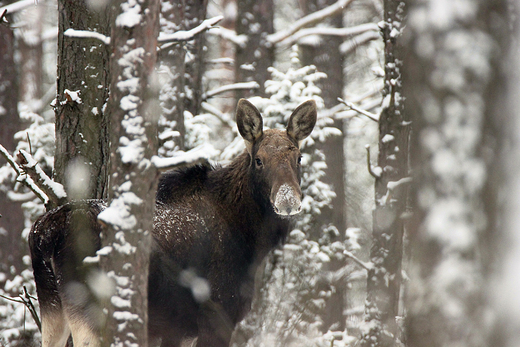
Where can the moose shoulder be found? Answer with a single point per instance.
(212, 228)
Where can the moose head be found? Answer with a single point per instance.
(275, 154)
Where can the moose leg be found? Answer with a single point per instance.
(215, 326)
(55, 330)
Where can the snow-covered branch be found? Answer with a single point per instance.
(343, 32)
(53, 190)
(358, 40)
(310, 19)
(350, 105)
(197, 155)
(230, 35)
(225, 119)
(28, 181)
(187, 35)
(87, 34)
(230, 87)
(17, 6)
(364, 265)
(371, 169)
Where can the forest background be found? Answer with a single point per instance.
(408, 234)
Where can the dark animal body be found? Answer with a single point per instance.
(212, 228)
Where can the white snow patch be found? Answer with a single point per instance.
(130, 15)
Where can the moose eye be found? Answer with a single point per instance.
(258, 162)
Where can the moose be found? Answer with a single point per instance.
(213, 226)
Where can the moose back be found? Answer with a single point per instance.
(212, 228)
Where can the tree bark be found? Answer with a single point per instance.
(255, 19)
(455, 96)
(327, 57)
(12, 220)
(82, 140)
(391, 187)
(195, 13)
(172, 67)
(128, 219)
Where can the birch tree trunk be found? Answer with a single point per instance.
(82, 139)
(391, 187)
(455, 79)
(128, 219)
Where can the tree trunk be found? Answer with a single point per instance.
(255, 19)
(173, 71)
(31, 55)
(128, 219)
(82, 140)
(391, 187)
(195, 13)
(327, 58)
(12, 220)
(455, 95)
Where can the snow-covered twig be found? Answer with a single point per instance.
(367, 266)
(369, 164)
(230, 35)
(24, 178)
(187, 35)
(219, 115)
(392, 186)
(87, 34)
(308, 20)
(348, 46)
(230, 87)
(350, 105)
(197, 155)
(54, 191)
(344, 32)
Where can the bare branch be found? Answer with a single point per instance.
(350, 105)
(310, 19)
(87, 34)
(230, 87)
(27, 300)
(343, 32)
(54, 191)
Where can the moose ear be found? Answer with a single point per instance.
(249, 121)
(302, 120)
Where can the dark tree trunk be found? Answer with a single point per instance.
(391, 191)
(458, 111)
(12, 220)
(128, 219)
(81, 127)
(195, 13)
(327, 58)
(255, 19)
